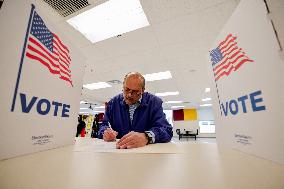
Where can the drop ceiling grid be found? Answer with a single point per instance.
(143, 61)
(102, 95)
(126, 50)
(193, 26)
(138, 40)
(95, 54)
(177, 42)
(158, 11)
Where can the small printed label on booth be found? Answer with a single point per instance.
(243, 139)
(42, 140)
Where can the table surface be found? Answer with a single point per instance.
(197, 166)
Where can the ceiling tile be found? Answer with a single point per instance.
(158, 11)
(194, 26)
(137, 40)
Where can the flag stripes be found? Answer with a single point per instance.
(46, 48)
(227, 57)
(36, 51)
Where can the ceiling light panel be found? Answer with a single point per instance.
(205, 104)
(158, 76)
(110, 19)
(84, 108)
(98, 85)
(99, 107)
(205, 99)
(167, 93)
(174, 102)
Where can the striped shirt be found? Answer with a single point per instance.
(132, 109)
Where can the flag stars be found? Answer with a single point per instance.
(41, 32)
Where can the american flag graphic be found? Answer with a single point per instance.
(227, 57)
(46, 48)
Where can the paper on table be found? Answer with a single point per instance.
(97, 145)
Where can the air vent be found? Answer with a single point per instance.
(114, 82)
(67, 7)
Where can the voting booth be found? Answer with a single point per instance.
(246, 69)
(41, 80)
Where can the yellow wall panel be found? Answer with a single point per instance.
(190, 114)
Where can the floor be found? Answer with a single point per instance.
(198, 140)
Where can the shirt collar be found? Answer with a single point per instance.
(138, 102)
(141, 100)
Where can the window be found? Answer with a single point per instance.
(169, 116)
(207, 126)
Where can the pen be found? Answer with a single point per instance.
(112, 130)
(109, 125)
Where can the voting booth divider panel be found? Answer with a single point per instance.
(41, 80)
(246, 69)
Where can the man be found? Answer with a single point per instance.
(135, 116)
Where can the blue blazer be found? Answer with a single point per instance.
(148, 116)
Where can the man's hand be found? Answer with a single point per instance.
(109, 135)
(132, 140)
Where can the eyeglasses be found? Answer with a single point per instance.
(132, 92)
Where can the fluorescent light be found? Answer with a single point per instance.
(97, 111)
(90, 112)
(206, 99)
(167, 93)
(158, 76)
(174, 107)
(99, 85)
(173, 102)
(110, 19)
(82, 102)
(207, 90)
(205, 104)
(84, 112)
(99, 107)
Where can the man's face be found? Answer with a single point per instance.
(132, 90)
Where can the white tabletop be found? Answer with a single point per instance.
(197, 166)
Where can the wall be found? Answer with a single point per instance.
(206, 114)
(202, 115)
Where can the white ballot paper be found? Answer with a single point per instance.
(98, 145)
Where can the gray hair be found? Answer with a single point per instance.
(135, 75)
